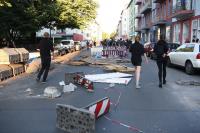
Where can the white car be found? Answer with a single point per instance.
(77, 45)
(84, 43)
(69, 44)
(187, 55)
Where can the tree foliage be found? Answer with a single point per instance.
(22, 17)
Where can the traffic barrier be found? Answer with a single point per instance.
(81, 80)
(74, 120)
(115, 52)
(78, 78)
(100, 107)
(81, 120)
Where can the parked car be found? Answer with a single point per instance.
(172, 47)
(187, 56)
(61, 49)
(77, 45)
(84, 43)
(68, 44)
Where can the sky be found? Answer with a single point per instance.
(109, 14)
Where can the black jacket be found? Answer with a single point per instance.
(160, 49)
(137, 50)
(45, 46)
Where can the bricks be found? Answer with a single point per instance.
(17, 69)
(24, 54)
(5, 72)
(75, 120)
(9, 56)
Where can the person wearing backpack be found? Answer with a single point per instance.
(161, 50)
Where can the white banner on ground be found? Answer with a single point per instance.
(115, 80)
(94, 77)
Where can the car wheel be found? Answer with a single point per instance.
(169, 64)
(189, 68)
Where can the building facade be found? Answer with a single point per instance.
(177, 20)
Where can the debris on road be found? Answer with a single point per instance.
(81, 120)
(69, 77)
(188, 82)
(69, 88)
(81, 80)
(118, 68)
(29, 91)
(77, 63)
(120, 78)
(62, 83)
(52, 92)
(74, 120)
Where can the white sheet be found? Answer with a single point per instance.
(115, 80)
(104, 76)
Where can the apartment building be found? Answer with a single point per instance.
(186, 20)
(177, 20)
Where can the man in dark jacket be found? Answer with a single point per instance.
(161, 50)
(46, 47)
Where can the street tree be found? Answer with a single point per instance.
(20, 18)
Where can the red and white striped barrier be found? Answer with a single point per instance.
(81, 80)
(114, 52)
(100, 107)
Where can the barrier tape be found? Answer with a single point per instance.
(131, 128)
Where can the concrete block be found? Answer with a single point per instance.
(75, 120)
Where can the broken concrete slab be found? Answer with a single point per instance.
(74, 120)
(52, 92)
(69, 88)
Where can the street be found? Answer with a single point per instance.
(171, 109)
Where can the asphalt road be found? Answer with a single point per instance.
(171, 109)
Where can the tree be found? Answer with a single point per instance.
(24, 17)
(113, 35)
(105, 35)
(76, 13)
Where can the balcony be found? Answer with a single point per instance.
(146, 7)
(146, 26)
(137, 29)
(182, 11)
(160, 20)
(138, 2)
(158, 1)
(138, 15)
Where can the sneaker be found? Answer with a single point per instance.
(137, 86)
(44, 82)
(160, 85)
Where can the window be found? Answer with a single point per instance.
(186, 48)
(176, 33)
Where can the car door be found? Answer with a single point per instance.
(188, 54)
(175, 56)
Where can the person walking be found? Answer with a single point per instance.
(45, 47)
(137, 50)
(161, 50)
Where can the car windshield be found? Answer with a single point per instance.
(65, 42)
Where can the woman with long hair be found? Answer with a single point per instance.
(137, 50)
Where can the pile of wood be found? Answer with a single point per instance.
(12, 62)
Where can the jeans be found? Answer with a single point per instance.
(46, 62)
(161, 70)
